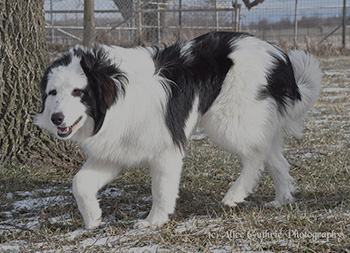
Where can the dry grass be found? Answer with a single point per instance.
(38, 211)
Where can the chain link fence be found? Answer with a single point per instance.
(134, 22)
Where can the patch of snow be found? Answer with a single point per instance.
(198, 134)
(25, 193)
(13, 246)
(72, 235)
(220, 249)
(38, 192)
(105, 240)
(147, 199)
(152, 248)
(333, 98)
(60, 219)
(112, 192)
(6, 214)
(309, 155)
(34, 203)
(99, 241)
(336, 90)
(9, 195)
(186, 226)
(334, 121)
(333, 73)
(198, 137)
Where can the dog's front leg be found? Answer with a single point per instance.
(86, 183)
(165, 173)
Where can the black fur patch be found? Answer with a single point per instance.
(198, 72)
(281, 85)
(64, 60)
(105, 83)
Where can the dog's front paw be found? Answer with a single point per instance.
(279, 203)
(146, 224)
(234, 196)
(142, 224)
(93, 224)
(229, 203)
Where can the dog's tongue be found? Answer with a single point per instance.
(63, 130)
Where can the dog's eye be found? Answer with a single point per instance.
(52, 93)
(77, 93)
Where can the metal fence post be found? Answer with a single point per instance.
(158, 23)
(52, 22)
(216, 16)
(344, 25)
(180, 21)
(236, 15)
(296, 24)
(139, 22)
(89, 23)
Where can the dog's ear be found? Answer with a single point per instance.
(105, 84)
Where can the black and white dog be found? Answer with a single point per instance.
(138, 106)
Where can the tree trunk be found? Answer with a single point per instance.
(23, 58)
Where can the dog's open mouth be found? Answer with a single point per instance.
(64, 132)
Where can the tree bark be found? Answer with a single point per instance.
(23, 59)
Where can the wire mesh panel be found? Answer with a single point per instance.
(64, 21)
(294, 22)
(134, 22)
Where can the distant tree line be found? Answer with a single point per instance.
(304, 22)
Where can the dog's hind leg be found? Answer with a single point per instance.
(278, 167)
(165, 173)
(86, 183)
(253, 165)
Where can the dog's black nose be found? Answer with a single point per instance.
(57, 118)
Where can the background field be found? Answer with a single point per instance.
(38, 211)
(124, 22)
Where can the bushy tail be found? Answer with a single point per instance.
(308, 77)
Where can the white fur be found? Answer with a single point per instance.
(61, 80)
(308, 78)
(241, 123)
(134, 132)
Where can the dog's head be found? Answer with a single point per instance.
(77, 91)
